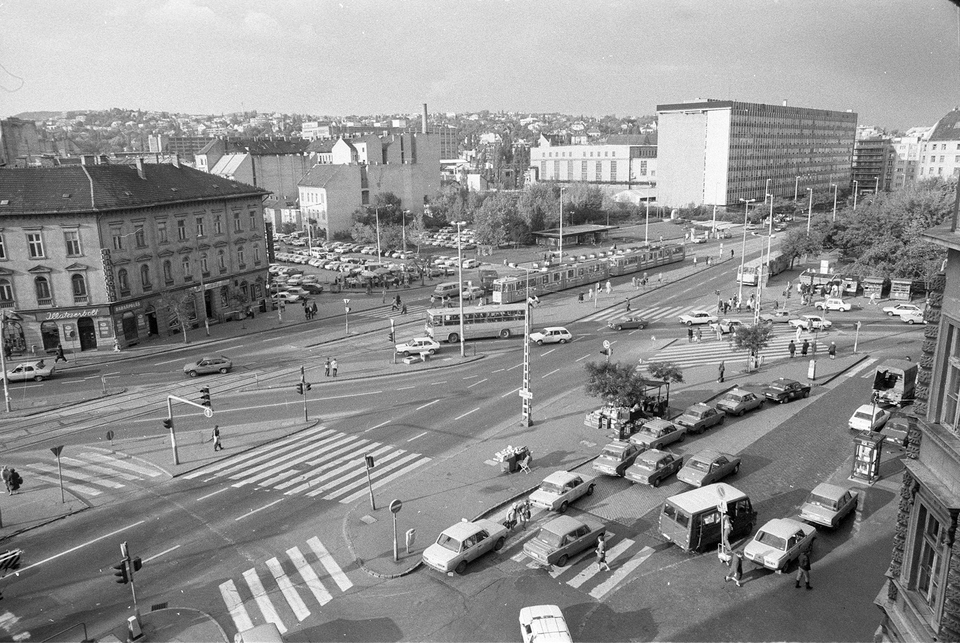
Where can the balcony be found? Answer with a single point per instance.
(46, 301)
(81, 299)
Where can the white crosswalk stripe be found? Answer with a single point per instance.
(415, 310)
(317, 462)
(651, 314)
(711, 351)
(261, 590)
(90, 473)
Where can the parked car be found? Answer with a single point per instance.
(658, 433)
(628, 322)
(738, 402)
(286, 297)
(551, 335)
(699, 417)
(913, 317)
(207, 365)
(902, 309)
(777, 317)
(868, 417)
(707, 467)
(833, 303)
(463, 543)
(616, 458)
(563, 538)
(653, 467)
(472, 292)
(896, 430)
(312, 288)
(697, 317)
(828, 504)
(544, 624)
(418, 345)
(470, 263)
(811, 322)
(779, 542)
(560, 488)
(37, 371)
(783, 390)
(726, 325)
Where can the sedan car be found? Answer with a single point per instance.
(902, 309)
(738, 402)
(811, 322)
(658, 433)
(653, 467)
(777, 317)
(913, 317)
(552, 335)
(779, 542)
(207, 365)
(726, 325)
(707, 467)
(783, 390)
(699, 417)
(562, 538)
(627, 323)
(828, 504)
(834, 303)
(559, 489)
(697, 317)
(616, 458)
(464, 542)
(544, 623)
(417, 346)
(868, 417)
(36, 371)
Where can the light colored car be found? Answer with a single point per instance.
(37, 371)
(738, 402)
(544, 624)
(811, 322)
(726, 325)
(464, 542)
(707, 467)
(833, 303)
(470, 263)
(658, 433)
(563, 538)
(286, 297)
(472, 292)
(901, 309)
(653, 467)
(616, 458)
(779, 542)
(206, 365)
(777, 317)
(551, 335)
(913, 317)
(697, 317)
(299, 291)
(868, 417)
(560, 488)
(699, 417)
(417, 346)
(828, 504)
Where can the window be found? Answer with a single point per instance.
(161, 231)
(145, 277)
(35, 245)
(928, 558)
(217, 224)
(117, 235)
(6, 291)
(185, 265)
(199, 226)
(613, 170)
(256, 254)
(556, 169)
(237, 226)
(598, 171)
(3, 248)
(71, 239)
(181, 230)
(79, 289)
(221, 261)
(643, 168)
(253, 221)
(123, 284)
(583, 170)
(139, 236)
(203, 265)
(44, 296)
(240, 260)
(168, 272)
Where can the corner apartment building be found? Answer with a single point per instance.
(96, 254)
(274, 165)
(906, 158)
(622, 162)
(940, 152)
(720, 151)
(872, 167)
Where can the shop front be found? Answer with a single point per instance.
(79, 329)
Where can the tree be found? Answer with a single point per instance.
(666, 371)
(498, 221)
(181, 307)
(584, 203)
(615, 383)
(536, 205)
(797, 243)
(753, 338)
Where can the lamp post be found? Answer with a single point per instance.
(526, 394)
(756, 308)
(796, 189)
(561, 224)
(856, 189)
(809, 209)
(403, 228)
(3, 359)
(743, 246)
(876, 187)
(835, 187)
(460, 281)
(379, 254)
(646, 227)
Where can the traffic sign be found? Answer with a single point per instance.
(526, 394)
(57, 450)
(110, 436)
(606, 344)
(208, 412)
(395, 506)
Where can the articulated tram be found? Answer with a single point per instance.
(585, 271)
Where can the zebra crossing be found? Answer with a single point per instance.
(659, 313)
(298, 576)
(92, 472)
(711, 351)
(318, 463)
(413, 310)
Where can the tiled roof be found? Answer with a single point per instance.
(322, 146)
(947, 128)
(320, 176)
(94, 188)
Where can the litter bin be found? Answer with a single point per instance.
(509, 464)
(263, 305)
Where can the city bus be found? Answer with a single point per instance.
(504, 320)
(777, 263)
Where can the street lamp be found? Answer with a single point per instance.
(856, 189)
(796, 189)
(460, 281)
(646, 227)
(561, 224)
(835, 187)
(3, 359)
(403, 228)
(809, 209)
(743, 246)
(379, 254)
(526, 395)
(756, 308)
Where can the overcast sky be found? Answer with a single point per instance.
(894, 62)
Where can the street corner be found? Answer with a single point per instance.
(369, 535)
(36, 504)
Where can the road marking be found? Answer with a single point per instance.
(170, 361)
(510, 392)
(476, 383)
(437, 383)
(384, 481)
(75, 474)
(251, 474)
(212, 494)
(470, 377)
(406, 388)
(620, 573)
(289, 591)
(309, 576)
(89, 542)
(155, 556)
(517, 366)
(330, 564)
(466, 414)
(550, 373)
(247, 515)
(547, 352)
(98, 469)
(498, 370)
(129, 466)
(417, 436)
(231, 597)
(353, 468)
(379, 425)
(420, 408)
(859, 367)
(592, 570)
(584, 357)
(263, 600)
(238, 462)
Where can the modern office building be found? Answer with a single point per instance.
(721, 151)
(873, 160)
(621, 162)
(940, 152)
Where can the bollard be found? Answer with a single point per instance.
(133, 629)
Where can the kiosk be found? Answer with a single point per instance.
(866, 457)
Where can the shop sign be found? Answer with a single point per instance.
(73, 314)
(119, 308)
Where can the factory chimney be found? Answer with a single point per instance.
(423, 127)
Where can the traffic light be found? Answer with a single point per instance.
(308, 385)
(168, 423)
(390, 337)
(605, 351)
(120, 571)
(369, 460)
(205, 396)
(136, 564)
(300, 388)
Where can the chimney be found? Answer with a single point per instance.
(176, 159)
(423, 127)
(784, 102)
(140, 169)
(87, 159)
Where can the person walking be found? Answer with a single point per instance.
(832, 351)
(736, 568)
(699, 335)
(720, 370)
(5, 474)
(689, 334)
(326, 368)
(313, 310)
(804, 347)
(602, 554)
(217, 446)
(628, 304)
(333, 367)
(609, 287)
(403, 309)
(792, 347)
(873, 298)
(803, 568)
(60, 355)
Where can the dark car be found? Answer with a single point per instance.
(562, 538)
(313, 289)
(616, 458)
(783, 390)
(627, 323)
(700, 417)
(707, 467)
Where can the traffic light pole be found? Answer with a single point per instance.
(125, 551)
(207, 412)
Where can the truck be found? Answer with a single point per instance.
(624, 420)
(894, 382)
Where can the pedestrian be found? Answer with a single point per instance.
(326, 367)
(726, 528)
(609, 287)
(633, 282)
(116, 345)
(60, 355)
(798, 333)
(832, 351)
(580, 297)
(15, 481)
(694, 261)
(792, 347)
(433, 300)
(803, 568)
(599, 286)
(5, 474)
(628, 305)
(873, 298)
(403, 309)
(659, 277)
(699, 335)
(731, 253)
(313, 310)
(689, 334)
(719, 332)
(602, 553)
(525, 514)
(805, 347)
(736, 568)
(333, 367)
(720, 370)
(217, 446)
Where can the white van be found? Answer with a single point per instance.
(447, 289)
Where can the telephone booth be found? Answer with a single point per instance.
(866, 457)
